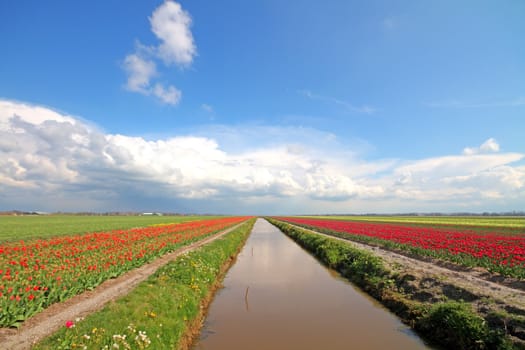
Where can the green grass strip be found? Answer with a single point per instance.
(163, 310)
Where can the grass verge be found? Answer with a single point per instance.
(165, 311)
(450, 323)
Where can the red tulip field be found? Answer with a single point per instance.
(495, 249)
(37, 273)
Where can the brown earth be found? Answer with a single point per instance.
(54, 317)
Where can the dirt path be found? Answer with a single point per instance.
(472, 280)
(54, 317)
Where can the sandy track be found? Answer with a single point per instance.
(54, 317)
(472, 280)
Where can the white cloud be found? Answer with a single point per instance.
(32, 114)
(171, 24)
(488, 146)
(140, 72)
(480, 173)
(48, 154)
(169, 95)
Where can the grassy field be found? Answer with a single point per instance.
(490, 221)
(43, 226)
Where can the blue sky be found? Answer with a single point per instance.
(264, 107)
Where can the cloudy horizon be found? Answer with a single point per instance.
(57, 162)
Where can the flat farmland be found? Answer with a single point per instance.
(36, 273)
(505, 222)
(423, 269)
(44, 226)
(499, 249)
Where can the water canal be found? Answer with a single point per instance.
(277, 296)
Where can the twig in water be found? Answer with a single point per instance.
(246, 299)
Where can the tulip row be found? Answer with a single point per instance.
(500, 253)
(38, 273)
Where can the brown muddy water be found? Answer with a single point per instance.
(277, 296)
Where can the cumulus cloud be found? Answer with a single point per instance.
(488, 146)
(169, 95)
(62, 154)
(171, 25)
(45, 154)
(140, 72)
(480, 175)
